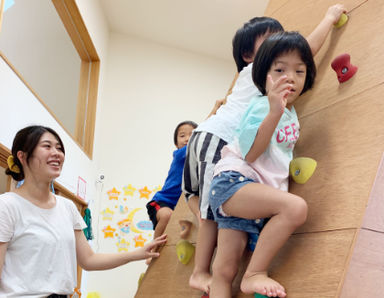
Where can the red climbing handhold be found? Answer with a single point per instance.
(343, 67)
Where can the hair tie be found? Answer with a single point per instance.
(12, 166)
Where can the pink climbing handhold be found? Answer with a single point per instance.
(343, 67)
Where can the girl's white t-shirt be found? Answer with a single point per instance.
(41, 254)
(227, 118)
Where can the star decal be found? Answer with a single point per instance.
(144, 192)
(139, 241)
(122, 245)
(108, 232)
(107, 214)
(113, 194)
(157, 188)
(129, 190)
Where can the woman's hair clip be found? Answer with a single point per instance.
(12, 166)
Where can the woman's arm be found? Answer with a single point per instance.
(3, 250)
(89, 260)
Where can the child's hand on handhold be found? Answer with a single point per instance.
(334, 12)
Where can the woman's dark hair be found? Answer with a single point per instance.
(26, 141)
(276, 45)
(191, 123)
(243, 43)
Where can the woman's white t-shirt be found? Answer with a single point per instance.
(41, 254)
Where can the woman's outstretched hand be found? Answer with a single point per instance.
(146, 252)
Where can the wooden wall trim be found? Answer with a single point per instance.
(89, 74)
(91, 108)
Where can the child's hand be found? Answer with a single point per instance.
(146, 252)
(278, 93)
(334, 12)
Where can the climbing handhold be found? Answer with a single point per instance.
(140, 278)
(343, 68)
(302, 168)
(343, 19)
(257, 295)
(186, 226)
(185, 251)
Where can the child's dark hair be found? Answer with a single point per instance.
(191, 123)
(276, 45)
(243, 42)
(26, 141)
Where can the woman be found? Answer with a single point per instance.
(41, 237)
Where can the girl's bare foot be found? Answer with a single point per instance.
(259, 282)
(185, 228)
(200, 281)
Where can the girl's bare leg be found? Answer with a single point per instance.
(230, 248)
(193, 204)
(287, 212)
(163, 216)
(205, 247)
(201, 277)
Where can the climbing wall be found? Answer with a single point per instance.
(337, 252)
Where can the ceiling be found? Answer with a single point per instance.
(200, 26)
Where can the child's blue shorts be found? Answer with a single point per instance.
(223, 187)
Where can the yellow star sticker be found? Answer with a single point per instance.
(139, 241)
(129, 190)
(157, 188)
(144, 192)
(107, 214)
(108, 231)
(113, 194)
(122, 245)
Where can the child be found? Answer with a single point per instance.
(251, 179)
(206, 142)
(163, 203)
(41, 234)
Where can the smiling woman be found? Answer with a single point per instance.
(48, 46)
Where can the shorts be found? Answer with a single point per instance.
(153, 207)
(203, 152)
(223, 187)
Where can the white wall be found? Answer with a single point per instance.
(148, 90)
(21, 108)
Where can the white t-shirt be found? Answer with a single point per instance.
(41, 254)
(228, 116)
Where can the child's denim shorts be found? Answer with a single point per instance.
(223, 187)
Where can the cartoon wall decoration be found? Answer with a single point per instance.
(123, 217)
(108, 231)
(113, 194)
(144, 192)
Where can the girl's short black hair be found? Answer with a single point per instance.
(276, 45)
(243, 43)
(26, 141)
(191, 123)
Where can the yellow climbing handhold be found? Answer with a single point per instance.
(343, 19)
(302, 168)
(185, 251)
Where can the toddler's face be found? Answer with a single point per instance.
(291, 65)
(183, 134)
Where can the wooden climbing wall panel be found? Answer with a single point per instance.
(342, 128)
